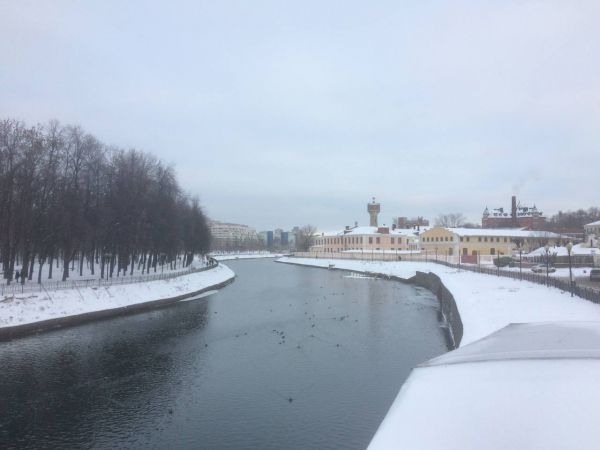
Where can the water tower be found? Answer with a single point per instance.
(373, 208)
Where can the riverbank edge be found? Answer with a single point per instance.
(427, 280)
(17, 331)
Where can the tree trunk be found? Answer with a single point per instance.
(41, 265)
(65, 267)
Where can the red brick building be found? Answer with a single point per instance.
(517, 217)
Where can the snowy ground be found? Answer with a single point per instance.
(246, 256)
(29, 308)
(57, 271)
(486, 303)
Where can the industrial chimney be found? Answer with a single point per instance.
(513, 211)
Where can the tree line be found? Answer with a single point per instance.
(66, 196)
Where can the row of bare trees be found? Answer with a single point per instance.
(64, 195)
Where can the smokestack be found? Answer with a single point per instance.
(513, 211)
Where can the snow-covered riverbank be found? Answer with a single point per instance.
(486, 303)
(246, 256)
(30, 308)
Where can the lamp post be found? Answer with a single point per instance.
(498, 263)
(569, 248)
(547, 248)
(521, 260)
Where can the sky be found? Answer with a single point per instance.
(278, 114)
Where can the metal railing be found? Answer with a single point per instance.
(584, 292)
(30, 287)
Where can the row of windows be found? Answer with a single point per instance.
(462, 239)
(352, 240)
(439, 239)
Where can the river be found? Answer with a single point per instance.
(286, 357)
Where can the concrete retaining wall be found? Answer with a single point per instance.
(429, 281)
(448, 306)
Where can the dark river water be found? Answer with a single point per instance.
(286, 357)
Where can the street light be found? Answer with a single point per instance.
(521, 260)
(569, 248)
(547, 248)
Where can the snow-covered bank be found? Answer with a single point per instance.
(486, 303)
(25, 309)
(247, 256)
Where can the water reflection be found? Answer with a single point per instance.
(286, 357)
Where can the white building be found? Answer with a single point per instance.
(232, 236)
(592, 233)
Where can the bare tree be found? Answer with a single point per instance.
(66, 196)
(450, 220)
(304, 237)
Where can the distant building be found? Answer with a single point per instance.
(405, 222)
(232, 236)
(517, 217)
(279, 239)
(366, 239)
(373, 208)
(373, 238)
(592, 233)
(470, 243)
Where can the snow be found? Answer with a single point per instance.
(35, 307)
(501, 232)
(86, 273)
(562, 251)
(365, 230)
(526, 386)
(485, 303)
(231, 256)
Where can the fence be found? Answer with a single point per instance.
(16, 288)
(584, 292)
(590, 294)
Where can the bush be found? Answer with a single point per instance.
(503, 261)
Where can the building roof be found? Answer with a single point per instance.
(366, 231)
(502, 232)
(524, 386)
(577, 249)
(597, 222)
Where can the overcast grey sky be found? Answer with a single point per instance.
(286, 113)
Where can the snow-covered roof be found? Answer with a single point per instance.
(525, 386)
(502, 232)
(577, 249)
(368, 230)
(593, 224)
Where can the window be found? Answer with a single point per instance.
(468, 239)
(485, 239)
(399, 241)
(497, 239)
(446, 238)
(377, 240)
(461, 239)
(370, 240)
(479, 238)
(392, 240)
(505, 239)
(492, 251)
